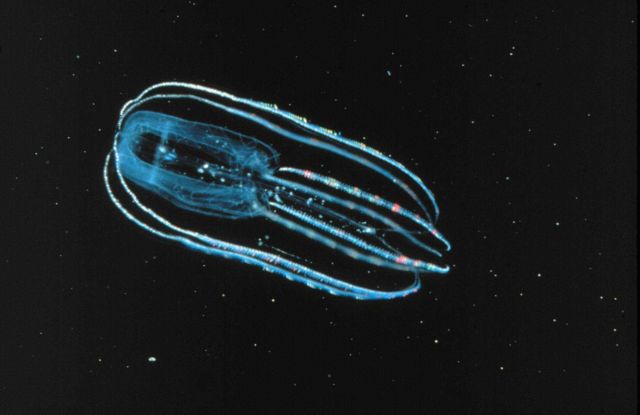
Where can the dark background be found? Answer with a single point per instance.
(522, 116)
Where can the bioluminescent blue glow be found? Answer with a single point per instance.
(218, 171)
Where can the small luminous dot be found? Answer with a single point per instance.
(151, 359)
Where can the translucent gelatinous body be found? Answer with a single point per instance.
(214, 170)
(199, 167)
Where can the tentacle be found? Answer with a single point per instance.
(362, 228)
(351, 205)
(380, 257)
(369, 197)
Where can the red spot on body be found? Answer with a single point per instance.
(401, 259)
(395, 208)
